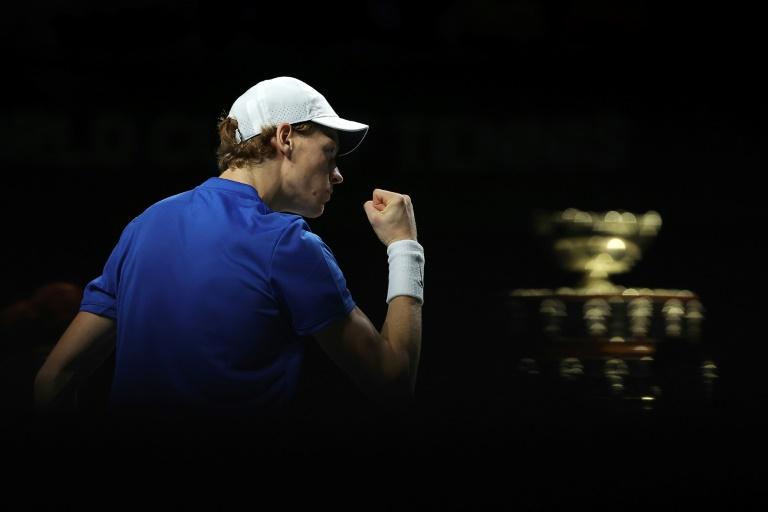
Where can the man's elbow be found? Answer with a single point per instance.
(396, 382)
(51, 390)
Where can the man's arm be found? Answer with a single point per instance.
(384, 364)
(402, 327)
(83, 347)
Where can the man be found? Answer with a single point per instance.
(209, 295)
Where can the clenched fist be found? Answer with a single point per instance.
(391, 216)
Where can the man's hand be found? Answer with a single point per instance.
(391, 216)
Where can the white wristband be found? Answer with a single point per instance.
(406, 270)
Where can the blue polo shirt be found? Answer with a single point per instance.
(213, 293)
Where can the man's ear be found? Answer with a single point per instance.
(283, 139)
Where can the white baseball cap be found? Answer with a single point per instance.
(288, 100)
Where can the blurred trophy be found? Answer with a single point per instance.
(604, 340)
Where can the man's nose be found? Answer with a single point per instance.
(336, 176)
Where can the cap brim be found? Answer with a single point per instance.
(351, 133)
(338, 123)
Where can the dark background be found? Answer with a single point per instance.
(484, 112)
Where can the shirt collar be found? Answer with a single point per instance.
(237, 187)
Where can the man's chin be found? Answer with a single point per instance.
(314, 214)
(306, 213)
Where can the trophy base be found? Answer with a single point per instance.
(636, 345)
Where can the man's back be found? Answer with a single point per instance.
(204, 303)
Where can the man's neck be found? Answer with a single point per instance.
(265, 179)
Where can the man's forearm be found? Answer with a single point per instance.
(54, 391)
(402, 329)
(84, 346)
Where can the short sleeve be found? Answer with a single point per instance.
(308, 281)
(100, 295)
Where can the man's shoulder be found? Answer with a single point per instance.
(165, 203)
(296, 232)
